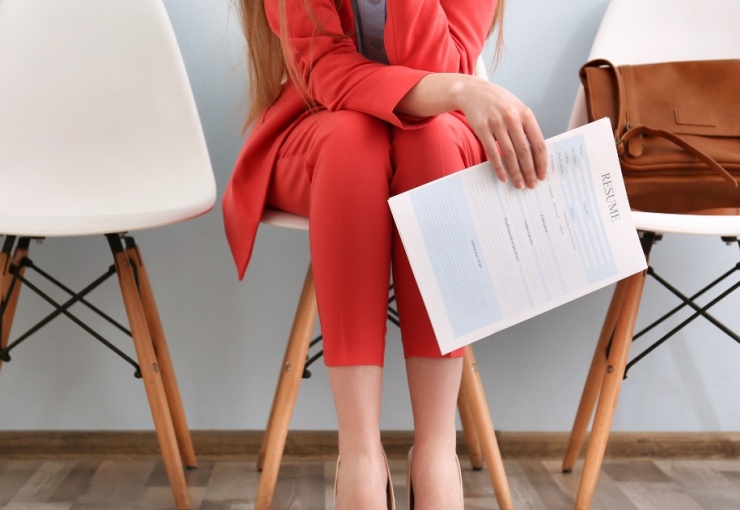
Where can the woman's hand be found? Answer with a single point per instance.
(498, 117)
(504, 125)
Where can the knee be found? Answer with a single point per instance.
(348, 140)
(435, 134)
(352, 156)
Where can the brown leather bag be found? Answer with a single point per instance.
(677, 129)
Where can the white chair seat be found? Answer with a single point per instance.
(284, 219)
(59, 226)
(86, 145)
(687, 224)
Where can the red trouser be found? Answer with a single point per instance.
(339, 169)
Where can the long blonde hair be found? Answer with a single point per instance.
(269, 54)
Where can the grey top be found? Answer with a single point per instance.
(370, 23)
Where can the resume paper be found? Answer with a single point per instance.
(487, 256)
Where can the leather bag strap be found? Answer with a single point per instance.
(621, 93)
(688, 147)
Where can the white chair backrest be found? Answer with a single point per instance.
(641, 32)
(99, 131)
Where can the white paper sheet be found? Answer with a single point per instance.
(487, 256)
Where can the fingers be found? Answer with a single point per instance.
(493, 151)
(524, 151)
(537, 147)
(515, 152)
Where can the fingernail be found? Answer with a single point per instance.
(532, 184)
(519, 184)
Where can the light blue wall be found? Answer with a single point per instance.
(227, 338)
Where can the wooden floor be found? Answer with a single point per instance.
(220, 484)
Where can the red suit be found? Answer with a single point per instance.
(339, 163)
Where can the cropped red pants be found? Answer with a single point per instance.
(339, 169)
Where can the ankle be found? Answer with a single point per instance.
(434, 447)
(363, 445)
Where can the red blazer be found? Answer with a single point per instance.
(421, 36)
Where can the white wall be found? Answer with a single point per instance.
(227, 337)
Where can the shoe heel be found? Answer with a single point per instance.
(336, 479)
(409, 488)
(390, 497)
(459, 476)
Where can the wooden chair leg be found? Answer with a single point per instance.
(472, 441)
(594, 379)
(174, 400)
(151, 374)
(11, 297)
(286, 394)
(302, 344)
(473, 388)
(612, 373)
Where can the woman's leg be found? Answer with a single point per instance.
(335, 167)
(362, 477)
(443, 146)
(440, 147)
(434, 385)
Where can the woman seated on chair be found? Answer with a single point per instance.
(353, 102)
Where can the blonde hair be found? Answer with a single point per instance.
(270, 57)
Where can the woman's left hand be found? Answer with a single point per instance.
(507, 129)
(505, 126)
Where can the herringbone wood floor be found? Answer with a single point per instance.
(223, 484)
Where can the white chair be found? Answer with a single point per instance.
(472, 406)
(637, 32)
(99, 134)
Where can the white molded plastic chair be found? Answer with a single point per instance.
(99, 134)
(638, 32)
(474, 412)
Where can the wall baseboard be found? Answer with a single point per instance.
(319, 444)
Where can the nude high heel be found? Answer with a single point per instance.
(459, 477)
(336, 479)
(410, 488)
(390, 497)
